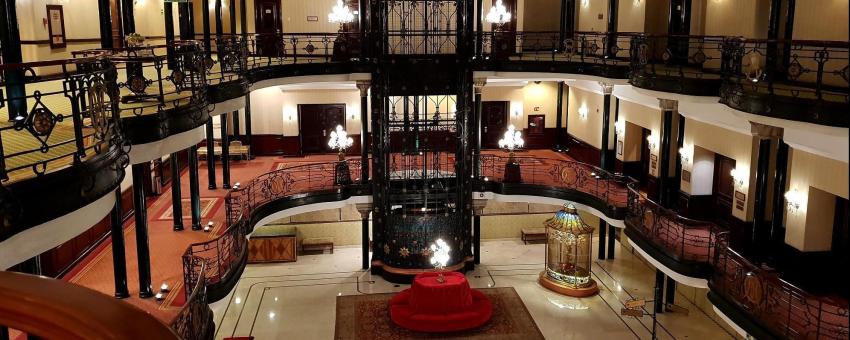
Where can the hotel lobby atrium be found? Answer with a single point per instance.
(424, 169)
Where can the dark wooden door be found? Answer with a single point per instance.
(494, 123)
(644, 156)
(505, 36)
(267, 25)
(316, 121)
(724, 189)
(115, 14)
(841, 233)
(679, 25)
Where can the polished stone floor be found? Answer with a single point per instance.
(297, 300)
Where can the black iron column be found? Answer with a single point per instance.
(676, 184)
(233, 18)
(205, 21)
(219, 24)
(659, 291)
(236, 125)
(364, 210)
(225, 152)
(777, 226)
(10, 42)
(364, 130)
(187, 26)
(790, 9)
(142, 246)
(478, 210)
(4, 333)
(611, 37)
(670, 290)
(248, 123)
(761, 230)
(210, 154)
(243, 17)
(607, 154)
(612, 233)
(559, 110)
(479, 27)
(603, 228)
(364, 39)
(128, 19)
(176, 197)
(119, 259)
(476, 122)
(194, 188)
(169, 30)
(668, 108)
(104, 14)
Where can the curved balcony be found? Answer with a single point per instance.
(555, 178)
(195, 320)
(686, 246)
(61, 147)
(583, 53)
(767, 307)
(795, 80)
(689, 65)
(226, 256)
(43, 308)
(226, 71)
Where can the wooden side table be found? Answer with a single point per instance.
(273, 243)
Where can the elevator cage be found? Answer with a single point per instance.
(568, 248)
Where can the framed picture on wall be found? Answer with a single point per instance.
(619, 148)
(686, 176)
(56, 26)
(653, 162)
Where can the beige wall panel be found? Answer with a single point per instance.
(592, 15)
(586, 129)
(747, 18)
(496, 208)
(821, 20)
(731, 144)
(295, 13)
(631, 15)
(545, 15)
(271, 109)
(329, 215)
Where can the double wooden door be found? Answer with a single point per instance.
(494, 123)
(316, 121)
(724, 189)
(267, 24)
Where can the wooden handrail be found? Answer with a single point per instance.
(54, 309)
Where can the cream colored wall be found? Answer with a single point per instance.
(737, 146)
(589, 129)
(817, 180)
(821, 20)
(531, 99)
(631, 15)
(295, 14)
(545, 15)
(643, 116)
(271, 108)
(588, 15)
(747, 18)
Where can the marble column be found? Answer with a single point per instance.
(119, 258)
(364, 209)
(194, 188)
(225, 152)
(478, 87)
(142, 244)
(478, 209)
(603, 228)
(176, 196)
(363, 86)
(210, 155)
(606, 149)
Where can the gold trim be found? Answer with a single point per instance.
(560, 288)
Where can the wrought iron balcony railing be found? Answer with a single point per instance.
(195, 320)
(683, 239)
(574, 47)
(59, 120)
(680, 64)
(265, 50)
(784, 310)
(560, 174)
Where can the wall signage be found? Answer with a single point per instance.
(56, 26)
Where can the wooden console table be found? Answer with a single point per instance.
(273, 243)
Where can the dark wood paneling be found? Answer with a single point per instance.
(545, 141)
(582, 151)
(697, 207)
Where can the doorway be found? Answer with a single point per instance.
(724, 190)
(494, 122)
(115, 14)
(644, 158)
(315, 123)
(267, 25)
(504, 36)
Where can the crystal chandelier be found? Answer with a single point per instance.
(340, 14)
(340, 140)
(512, 140)
(498, 14)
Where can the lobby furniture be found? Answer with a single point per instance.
(533, 234)
(318, 244)
(273, 243)
(435, 307)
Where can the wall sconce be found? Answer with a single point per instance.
(653, 142)
(620, 128)
(738, 177)
(288, 115)
(517, 114)
(138, 3)
(582, 112)
(793, 199)
(686, 153)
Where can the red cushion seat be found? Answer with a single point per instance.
(466, 316)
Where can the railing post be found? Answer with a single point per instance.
(73, 94)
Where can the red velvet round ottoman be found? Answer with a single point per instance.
(432, 306)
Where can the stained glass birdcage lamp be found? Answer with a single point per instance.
(568, 254)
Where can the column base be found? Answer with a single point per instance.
(178, 227)
(211, 187)
(557, 287)
(225, 186)
(122, 295)
(146, 294)
(196, 227)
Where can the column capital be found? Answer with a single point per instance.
(478, 84)
(364, 209)
(364, 85)
(668, 104)
(607, 88)
(478, 206)
(766, 131)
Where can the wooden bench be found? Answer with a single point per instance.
(317, 244)
(236, 149)
(533, 234)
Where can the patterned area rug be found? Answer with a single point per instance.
(368, 317)
(208, 206)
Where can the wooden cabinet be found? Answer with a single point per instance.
(273, 244)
